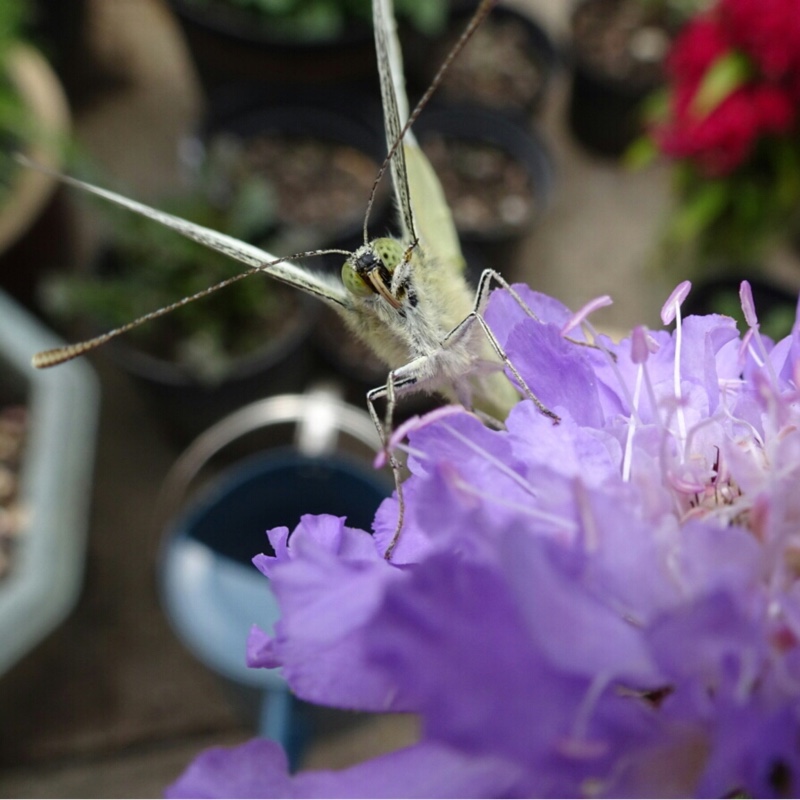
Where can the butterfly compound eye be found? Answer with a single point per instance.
(353, 282)
(390, 252)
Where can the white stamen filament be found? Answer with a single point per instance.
(563, 523)
(632, 423)
(580, 726)
(677, 378)
(501, 466)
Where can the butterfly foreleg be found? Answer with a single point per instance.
(475, 317)
(504, 284)
(388, 392)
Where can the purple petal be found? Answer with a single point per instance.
(259, 769)
(556, 370)
(329, 586)
(459, 620)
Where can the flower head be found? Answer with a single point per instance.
(609, 605)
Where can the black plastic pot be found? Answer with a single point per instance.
(308, 118)
(424, 57)
(605, 109)
(232, 47)
(522, 145)
(186, 406)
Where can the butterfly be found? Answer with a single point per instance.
(406, 297)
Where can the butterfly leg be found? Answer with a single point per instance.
(504, 284)
(389, 392)
(476, 317)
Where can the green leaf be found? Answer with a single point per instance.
(700, 210)
(723, 77)
(640, 153)
(655, 108)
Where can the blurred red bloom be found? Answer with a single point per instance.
(767, 30)
(718, 142)
(720, 139)
(696, 47)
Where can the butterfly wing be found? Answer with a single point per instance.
(435, 225)
(395, 104)
(259, 261)
(254, 257)
(424, 211)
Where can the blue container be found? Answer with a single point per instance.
(211, 591)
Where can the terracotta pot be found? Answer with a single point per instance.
(34, 229)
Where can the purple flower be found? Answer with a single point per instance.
(609, 605)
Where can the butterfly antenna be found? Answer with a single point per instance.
(477, 18)
(58, 355)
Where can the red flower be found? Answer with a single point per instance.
(718, 142)
(767, 30)
(695, 48)
(774, 108)
(722, 140)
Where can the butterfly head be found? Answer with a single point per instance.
(371, 269)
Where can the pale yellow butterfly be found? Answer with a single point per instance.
(407, 298)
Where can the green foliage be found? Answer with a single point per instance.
(730, 71)
(325, 19)
(12, 17)
(149, 267)
(735, 218)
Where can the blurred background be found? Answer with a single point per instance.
(553, 139)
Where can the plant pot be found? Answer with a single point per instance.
(185, 405)
(497, 175)
(310, 154)
(321, 161)
(232, 47)
(34, 230)
(43, 578)
(776, 305)
(617, 61)
(211, 592)
(507, 66)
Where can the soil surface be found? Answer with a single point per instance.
(487, 189)
(13, 431)
(319, 184)
(621, 39)
(497, 68)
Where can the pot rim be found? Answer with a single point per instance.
(31, 189)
